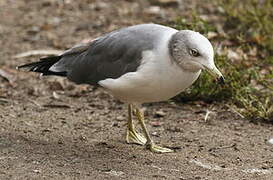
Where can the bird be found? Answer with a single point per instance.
(138, 64)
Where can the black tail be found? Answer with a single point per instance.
(43, 66)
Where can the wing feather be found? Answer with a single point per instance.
(111, 55)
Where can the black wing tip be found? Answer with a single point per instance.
(43, 66)
(49, 73)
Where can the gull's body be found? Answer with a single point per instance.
(138, 64)
(154, 79)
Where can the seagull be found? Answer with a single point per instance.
(138, 64)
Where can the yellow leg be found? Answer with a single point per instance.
(132, 136)
(150, 144)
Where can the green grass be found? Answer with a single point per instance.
(249, 81)
(252, 19)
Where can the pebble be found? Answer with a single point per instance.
(153, 10)
(120, 118)
(270, 141)
(36, 171)
(160, 113)
(55, 95)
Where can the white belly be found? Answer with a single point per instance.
(157, 79)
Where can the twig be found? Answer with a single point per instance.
(236, 112)
(34, 102)
(207, 115)
(3, 100)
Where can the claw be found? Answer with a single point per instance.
(158, 149)
(133, 137)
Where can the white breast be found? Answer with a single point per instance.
(157, 79)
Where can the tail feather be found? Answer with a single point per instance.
(43, 66)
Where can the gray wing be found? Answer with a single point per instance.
(109, 56)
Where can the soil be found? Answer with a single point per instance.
(53, 129)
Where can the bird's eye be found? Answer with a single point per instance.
(194, 52)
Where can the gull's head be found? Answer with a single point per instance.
(193, 52)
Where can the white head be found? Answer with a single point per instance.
(193, 52)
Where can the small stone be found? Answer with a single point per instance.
(83, 138)
(115, 124)
(155, 134)
(55, 95)
(159, 114)
(36, 171)
(120, 118)
(153, 10)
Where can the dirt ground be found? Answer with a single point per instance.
(53, 129)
